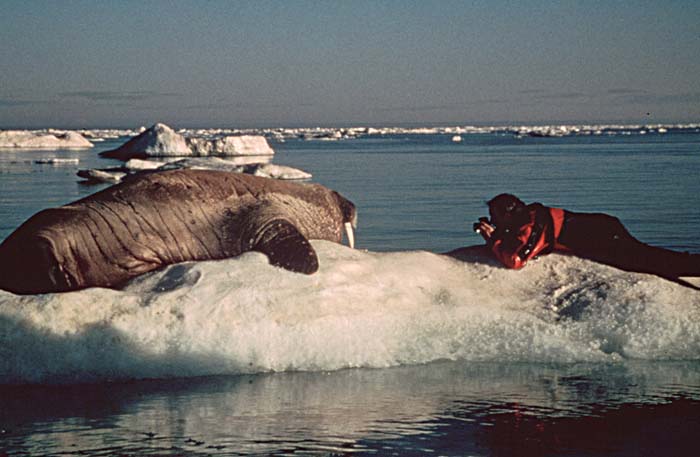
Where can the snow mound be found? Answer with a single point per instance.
(361, 309)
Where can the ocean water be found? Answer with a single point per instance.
(390, 349)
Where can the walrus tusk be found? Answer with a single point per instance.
(350, 235)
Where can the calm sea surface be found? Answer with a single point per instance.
(412, 192)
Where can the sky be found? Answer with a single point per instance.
(289, 63)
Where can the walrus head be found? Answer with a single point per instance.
(349, 212)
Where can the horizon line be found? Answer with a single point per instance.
(307, 125)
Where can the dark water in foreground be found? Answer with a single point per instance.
(439, 409)
(418, 192)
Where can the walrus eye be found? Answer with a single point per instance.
(350, 235)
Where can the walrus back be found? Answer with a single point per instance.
(109, 237)
(159, 219)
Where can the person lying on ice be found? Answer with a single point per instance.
(518, 232)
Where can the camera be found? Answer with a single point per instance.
(475, 227)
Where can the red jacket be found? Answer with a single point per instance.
(516, 245)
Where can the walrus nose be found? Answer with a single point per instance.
(350, 235)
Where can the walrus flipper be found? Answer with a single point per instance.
(286, 247)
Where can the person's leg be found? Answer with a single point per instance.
(603, 238)
(665, 262)
(594, 236)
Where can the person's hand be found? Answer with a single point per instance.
(485, 229)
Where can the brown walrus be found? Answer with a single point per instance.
(163, 218)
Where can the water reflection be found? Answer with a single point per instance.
(446, 408)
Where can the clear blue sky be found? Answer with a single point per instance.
(300, 63)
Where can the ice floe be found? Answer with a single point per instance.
(270, 170)
(162, 141)
(42, 139)
(361, 309)
(109, 134)
(244, 145)
(159, 140)
(57, 161)
(139, 164)
(265, 170)
(520, 131)
(108, 176)
(260, 167)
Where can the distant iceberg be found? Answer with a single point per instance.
(162, 141)
(109, 134)
(27, 139)
(159, 140)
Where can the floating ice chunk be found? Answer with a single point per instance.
(26, 139)
(456, 139)
(198, 163)
(202, 163)
(258, 167)
(139, 164)
(263, 169)
(235, 164)
(57, 161)
(108, 134)
(277, 172)
(108, 176)
(247, 145)
(159, 140)
(162, 141)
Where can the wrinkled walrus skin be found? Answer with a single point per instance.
(160, 219)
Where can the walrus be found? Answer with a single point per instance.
(158, 219)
